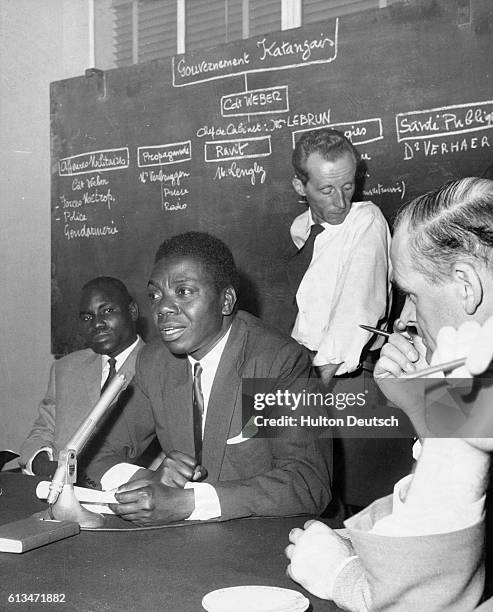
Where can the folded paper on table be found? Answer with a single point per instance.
(91, 499)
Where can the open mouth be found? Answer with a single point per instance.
(171, 332)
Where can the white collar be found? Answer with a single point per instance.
(121, 357)
(210, 361)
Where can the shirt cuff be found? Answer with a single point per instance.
(28, 468)
(421, 520)
(320, 360)
(118, 475)
(207, 504)
(336, 573)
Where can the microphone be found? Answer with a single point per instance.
(66, 472)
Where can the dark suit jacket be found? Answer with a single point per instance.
(73, 390)
(256, 477)
(433, 573)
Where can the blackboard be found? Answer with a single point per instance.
(203, 141)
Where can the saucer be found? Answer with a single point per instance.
(255, 598)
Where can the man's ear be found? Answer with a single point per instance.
(298, 186)
(133, 309)
(229, 300)
(468, 278)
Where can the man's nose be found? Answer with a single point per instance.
(167, 306)
(99, 322)
(341, 199)
(408, 312)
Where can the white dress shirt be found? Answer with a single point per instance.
(209, 363)
(347, 284)
(120, 360)
(105, 369)
(207, 504)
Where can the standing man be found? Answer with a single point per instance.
(345, 245)
(189, 394)
(107, 319)
(341, 279)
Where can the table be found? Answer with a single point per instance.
(168, 569)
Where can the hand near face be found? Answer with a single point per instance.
(179, 468)
(399, 357)
(147, 503)
(470, 340)
(315, 553)
(475, 342)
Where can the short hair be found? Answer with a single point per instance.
(329, 144)
(209, 251)
(116, 284)
(454, 220)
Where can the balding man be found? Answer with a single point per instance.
(347, 281)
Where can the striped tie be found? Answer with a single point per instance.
(198, 411)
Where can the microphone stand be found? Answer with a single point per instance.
(63, 505)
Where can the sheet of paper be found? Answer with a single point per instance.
(92, 499)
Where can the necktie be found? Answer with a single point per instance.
(111, 373)
(198, 411)
(300, 261)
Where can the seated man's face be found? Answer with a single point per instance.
(329, 188)
(106, 320)
(429, 306)
(188, 310)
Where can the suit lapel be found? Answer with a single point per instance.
(92, 378)
(128, 367)
(225, 397)
(176, 389)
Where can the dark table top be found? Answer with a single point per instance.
(167, 569)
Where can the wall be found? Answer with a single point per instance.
(39, 42)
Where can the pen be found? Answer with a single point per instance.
(375, 330)
(440, 367)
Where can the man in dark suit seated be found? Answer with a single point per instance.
(189, 395)
(107, 319)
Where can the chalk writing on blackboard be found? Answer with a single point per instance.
(94, 161)
(269, 125)
(90, 196)
(255, 102)
(399, 187)
(447, 120)
(255, 173)
(223, 97)
(358, 132)
(273, 52)
(160, 176)
(158, 155)
(90, 231)
(445, 130)
(244, 148)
